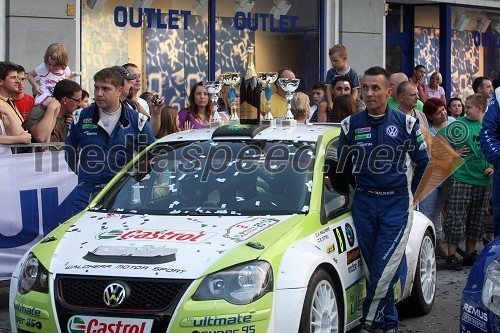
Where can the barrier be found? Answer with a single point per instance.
(35, 197)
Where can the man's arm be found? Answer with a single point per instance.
(41, 127)
(419, 156)
(490, 140)
(322, 113)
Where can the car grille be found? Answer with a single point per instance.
(146, 295)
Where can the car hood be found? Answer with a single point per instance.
(148, 246)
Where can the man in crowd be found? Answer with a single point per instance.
(407, 96)
(381, 209)
(483, 85)
(50, 123)
(136, 86)
(9, 87)
(24, 102)
(104, 137)
(418, 80)
(278, 100)
(396, 80)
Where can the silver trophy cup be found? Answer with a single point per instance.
(231, 80)
(289, 85)
(213, 88)
(266, 79)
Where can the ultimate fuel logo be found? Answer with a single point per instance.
(178, 236)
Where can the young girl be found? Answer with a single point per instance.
(169, 121)
(52, 70)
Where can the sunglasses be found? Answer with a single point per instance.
(78, 100)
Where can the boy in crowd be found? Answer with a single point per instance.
(470, 190)
(338, 57)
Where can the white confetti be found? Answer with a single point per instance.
(171, 187)
(233, 212)
(221, 180)
(174, 190)
(214, 143)
(196, 176)
(272, 203)
(223, 206)
(305, 208)
(309, 153)
(274, 167)
(203, 156)
(240, 199)
(175, 212)
(236, 173)
(257, 203)
(243, 164)
(182, 176)
(221, 212)
(309, 185)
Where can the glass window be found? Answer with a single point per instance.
(169, 41)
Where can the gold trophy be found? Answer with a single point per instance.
(266, 79)
(289, 85)
(231, 79)
(213, 88)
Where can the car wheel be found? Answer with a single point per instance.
(424, 284)
(321, 312)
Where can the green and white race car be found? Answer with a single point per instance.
(237, 229)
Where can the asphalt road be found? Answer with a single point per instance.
(443, 318)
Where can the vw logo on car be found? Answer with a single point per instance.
(114, 294)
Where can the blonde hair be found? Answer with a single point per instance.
(439, 76)
(340, 49)
(60, 54)
(478, 100)
(300, 105)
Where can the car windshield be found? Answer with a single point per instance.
(216, 178)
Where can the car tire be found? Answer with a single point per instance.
(321, 311)
(423, 292)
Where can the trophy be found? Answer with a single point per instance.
(289, 85)
(265, 79)
(213, 88)
(231, 79)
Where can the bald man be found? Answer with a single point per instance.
(278, 100)
(396, 79)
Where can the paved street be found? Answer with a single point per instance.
(444, 317)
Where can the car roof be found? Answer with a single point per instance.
(302, 132)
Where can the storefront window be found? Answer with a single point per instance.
(475, 47)
(168, 40)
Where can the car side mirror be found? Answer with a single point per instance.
(335, 204)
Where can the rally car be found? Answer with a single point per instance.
(237, 229)
(480, 308)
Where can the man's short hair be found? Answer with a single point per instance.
(401, 89)
(377, 70)
(20, 69)
(6, 67)
(66, 88)
(478, 81)
(341, 78)
(478, 100)
(416, 68)
(111, 76)
(129, 64)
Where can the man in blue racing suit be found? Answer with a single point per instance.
(377, 148)
(104, 137)
(490, 145)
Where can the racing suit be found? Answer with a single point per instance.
(490, 145)
(376, 156)
(95, 156)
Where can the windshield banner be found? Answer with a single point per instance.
(35, 192)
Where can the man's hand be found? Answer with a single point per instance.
(54, 106)
(489, 173)
(25, 137)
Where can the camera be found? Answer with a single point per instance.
(157, 100)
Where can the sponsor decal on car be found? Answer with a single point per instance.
(330, 248)
(244, 230)
(474, 316)
(86, 324)
(350, 234)
(30, 310)
(181, 236)
(339, 237)
(353, 255)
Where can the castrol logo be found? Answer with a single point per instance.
(84, 324)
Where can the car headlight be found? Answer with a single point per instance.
(33, 276)
(491, 288)
(242, 284)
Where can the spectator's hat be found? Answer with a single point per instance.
(125, 73)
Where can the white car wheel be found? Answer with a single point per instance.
(424, 285)
(321, 313)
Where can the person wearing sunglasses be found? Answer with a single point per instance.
(50, 123)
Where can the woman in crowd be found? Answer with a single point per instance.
(300, 107)
(434, 89)
(169, 121)
(455, 107)
(199, 112)
(432, 205)
(343, 107)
